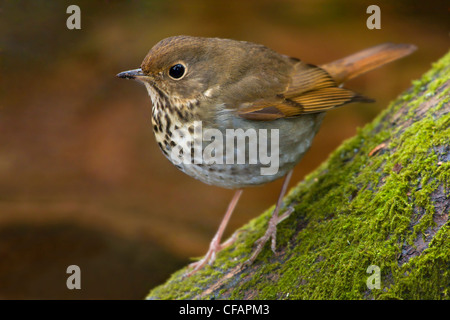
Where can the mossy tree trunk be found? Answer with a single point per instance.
(381, 199)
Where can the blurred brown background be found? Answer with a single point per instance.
(82, 180)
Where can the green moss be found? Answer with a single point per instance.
(354, 211)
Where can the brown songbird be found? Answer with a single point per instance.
(220, 105)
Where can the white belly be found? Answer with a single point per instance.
(295, 138)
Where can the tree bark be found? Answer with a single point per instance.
(370, 223)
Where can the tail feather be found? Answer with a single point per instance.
(356, 64)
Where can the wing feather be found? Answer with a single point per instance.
(311, 90)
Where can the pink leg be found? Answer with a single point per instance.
(271, 231)
(215, 245)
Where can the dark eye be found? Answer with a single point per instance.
(177, 71)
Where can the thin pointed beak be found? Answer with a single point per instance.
(136, 74)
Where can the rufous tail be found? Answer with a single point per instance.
(356, 64)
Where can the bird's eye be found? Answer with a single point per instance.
(177, 71)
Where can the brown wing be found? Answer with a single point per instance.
(311, 90)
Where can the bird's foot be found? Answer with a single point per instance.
(271, 233)
(210, 257)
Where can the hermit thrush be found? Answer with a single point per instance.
(206, 92)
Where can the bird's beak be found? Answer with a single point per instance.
(135, 74)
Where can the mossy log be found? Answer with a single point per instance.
(382, 199)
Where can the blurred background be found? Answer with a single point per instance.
(82, 180)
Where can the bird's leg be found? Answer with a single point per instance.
(215, 245)
(271, 231)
